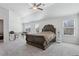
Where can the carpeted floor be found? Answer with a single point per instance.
(20, 48)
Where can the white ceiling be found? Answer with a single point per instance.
(51, 9)
(62, 9)
(21, 9)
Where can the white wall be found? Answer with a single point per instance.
(11, 20)
(14, 22)
(17, 25)
(4, 14)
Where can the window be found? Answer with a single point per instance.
(37, 27)
(68, 26)
(28, 28)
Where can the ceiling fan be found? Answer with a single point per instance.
(36, 6)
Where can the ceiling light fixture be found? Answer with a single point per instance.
(34, 7)
(37, 6)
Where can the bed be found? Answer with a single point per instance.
(43, 39)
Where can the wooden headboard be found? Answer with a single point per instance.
(49, 27)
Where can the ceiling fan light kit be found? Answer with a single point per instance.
(37, 6)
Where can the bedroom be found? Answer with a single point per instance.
(20, 19)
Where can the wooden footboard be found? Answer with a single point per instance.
(35, 39)
(36, 45)
(38, 41)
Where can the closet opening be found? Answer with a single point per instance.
(1, 30)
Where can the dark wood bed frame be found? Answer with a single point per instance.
(39, 41)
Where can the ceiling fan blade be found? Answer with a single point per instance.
(34, 4)
(40, 8)
(39, 4)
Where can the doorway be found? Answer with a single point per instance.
(1, 30)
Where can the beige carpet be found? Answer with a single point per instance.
(20, 48)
